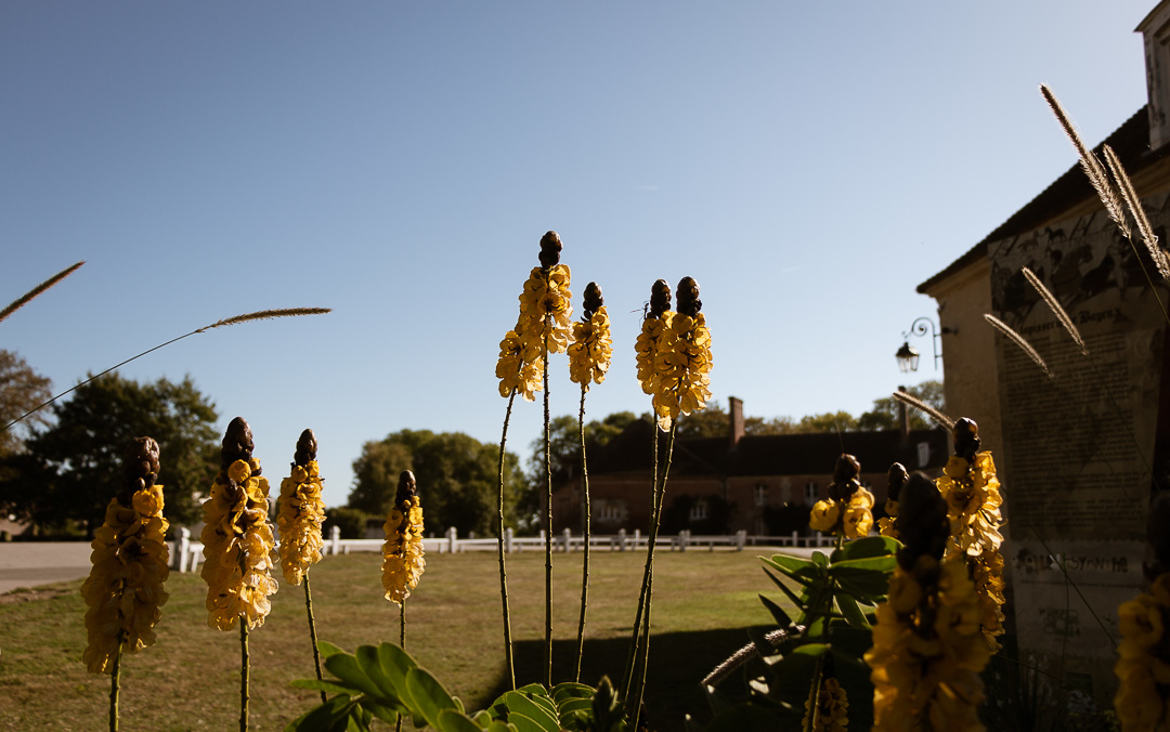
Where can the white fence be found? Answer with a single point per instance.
(186, 554)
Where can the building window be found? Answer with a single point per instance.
(612, 510)
(923, 454)
(699, 510)
(761, 495)
(811, 493)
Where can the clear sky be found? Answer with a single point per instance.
(808, 163)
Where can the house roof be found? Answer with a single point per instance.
(798, 454)
(1131, 143)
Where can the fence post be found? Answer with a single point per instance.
(637, 537)
(794, 539)
(452, 540)
(568, 537)
(621, 540)
(334, 540)
(182, 547)
(508, 540)
(740, 540)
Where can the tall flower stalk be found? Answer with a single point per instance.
(124, 590)
(680, 383)
(237, 543)
(300, 513)
(848, 511)
(927, 648)
(589, 357)
(402, 552)
(971, 489)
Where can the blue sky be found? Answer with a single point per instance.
(809, 164)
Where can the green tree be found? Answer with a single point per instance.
(565, 444)
(70, 471)
(885, 414)
(21, 389)
(456, 476)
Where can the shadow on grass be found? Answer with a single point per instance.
(678, 662)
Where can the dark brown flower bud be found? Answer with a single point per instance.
(406, 488)
(967, 441)
(306, 448)
(922, 521)
(550, 249)
(592, 301)
(845, 482)
(687, 296)
(140, 467)
(659, 298)
(897, 477)
(237, 443)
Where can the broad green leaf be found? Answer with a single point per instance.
(395, 663)
(782, 618)
(327, 649)
(382, 712)
(863, 584)
(798, 601)
(524, 724)
(819, 559)
(355, 722)
(428, 695)
(540, 698)
(533, 688)
(322, 717)
(501, 726)
(451, 720)
(367, 658)
(572, 690)
(482, 718)
(884, 564)
(573, 705)
(870, 546)
(347, 668)
(521, 703)
(331, 687)
(851, 611)
(787, 562)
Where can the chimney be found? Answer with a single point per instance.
(735, 413)
(1155, 30)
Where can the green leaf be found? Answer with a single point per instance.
(367, 658)
(381, 711)
(331, 687)
(870, 546)
(863, 584)
(572, 690)
(884, 564)
(451, 720)
(794, 673)
(501, 726)
(482, 718)
(533, 688)
(521, 703)
(851, 611)
(819, 559)
(347, 668)
(395, 664)
(524, 724)
(782, 618)
(325, 716)
(787, 562)
(428, 695)
(798, 601)
(327, 649)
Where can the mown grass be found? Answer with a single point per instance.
(189, 680)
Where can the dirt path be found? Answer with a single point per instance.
(33, 563)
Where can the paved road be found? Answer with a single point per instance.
(32, 563)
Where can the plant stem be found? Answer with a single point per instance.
(243, 674)
(628, 674)
(650, 578)
(585, 560)
(115, 675)
(547, 525)
(814, 695)
(313, 633)
(402, 645)
(500, 538)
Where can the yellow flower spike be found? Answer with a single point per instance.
(402, 552)
(237, 537)
(848, 510)
(927, 648)
(301, 511)
(682, 359)
(832, 708)
(124, 590)
(1143, 666)
(592, 348)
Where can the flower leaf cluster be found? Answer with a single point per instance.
(384, 682)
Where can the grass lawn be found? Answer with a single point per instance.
(190, 678)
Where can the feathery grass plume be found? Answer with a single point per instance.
(1061, 316)
(24, 299)
(896, 477)
(589, 357)
(237, 546)
(1020, 341)
(913, 401)
(235, 320)
(927, 653)
(1134, 204)
(402, 552)
(300, 513)
(848, 511)
(972, 491)
(1109, 196)
(124, 590)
